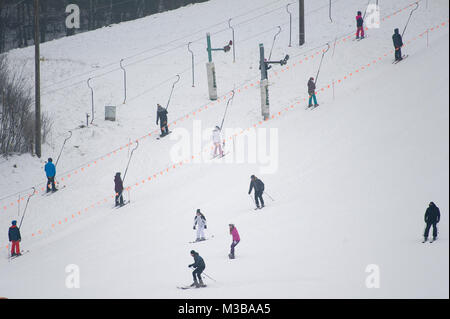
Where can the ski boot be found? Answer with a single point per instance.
(231, 256)
(194, 284)
(201, 284)
(316, 105)
(425, 240)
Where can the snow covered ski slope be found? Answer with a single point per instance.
(350, 180)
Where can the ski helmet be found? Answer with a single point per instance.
(50, 159)
(14, 222)
(193, 252)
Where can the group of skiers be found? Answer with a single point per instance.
(398, 44)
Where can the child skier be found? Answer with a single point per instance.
(236, 239)
(312, 92)
(398, 43)
(217, 140)
(50, 171)
(199, 265)
(359, 25)
(14, 238)
(161, 117)
(258, 185)
(118, 187)
(200, 222)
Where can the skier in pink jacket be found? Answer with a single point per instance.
(236, 240)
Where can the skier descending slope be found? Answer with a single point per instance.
(118, 187)
(199, 265)
(50, 171)
(217, 140)
(200, 223)
(359, 25)
(432, 218)
(14, 238)
(236, 239)
(312, 92)
(161, 118)
(398, 43)
(258, 185)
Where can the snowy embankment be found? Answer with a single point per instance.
(353, 180)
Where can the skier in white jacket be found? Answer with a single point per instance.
(200, 222)
(217, 140)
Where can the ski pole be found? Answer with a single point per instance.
(253, 201)
(209, 277)
(269, 196)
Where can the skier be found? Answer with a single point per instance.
(50, 171)
(398, 43)
(312, 92)
(258, 185)
(236, 240)
(161, 117)
(217, 140)
(200, 222)
(199, 265)
(118, 187)
(432, 218)
(359, 25)
(14, 238)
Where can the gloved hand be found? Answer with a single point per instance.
(205, 227)
(193, 227)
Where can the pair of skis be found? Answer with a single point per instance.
(403, 57)
(199, 241)
(23, 252)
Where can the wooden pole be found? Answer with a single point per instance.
(37, 80)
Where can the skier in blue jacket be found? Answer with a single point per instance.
(50, 171)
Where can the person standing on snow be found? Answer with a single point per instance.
(312, 92)
(217, 140)
(118, 187)
(50, 171)
(14, 238)
(200, 222)
(199, 265)
(359, 25)
(161, 118)
(432, 218)
(236, 240)
(258, 185)
(398, 44)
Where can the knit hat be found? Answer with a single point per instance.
(50, 159)
(193, 252)
(14, 222)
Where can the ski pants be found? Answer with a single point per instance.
(258, 198)
(234, 244)
(427, 230)
(360, 30)
(197, 273)
(164, 128)
(200, 232)
(398, 53)
(15, 247)
(312, 96)
(119, 198)
(218, 146)
(51, 181)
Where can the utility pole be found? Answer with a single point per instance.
(302, 21)
(37, 80)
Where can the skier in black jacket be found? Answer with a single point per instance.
(161, 118)
(14, 238)
(432, 218)
(199, 265)
(258, 185)
(312, 92)
(118, 187)
(398, 43)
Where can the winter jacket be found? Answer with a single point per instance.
(311, 87)
(216, 136)
(235, 234)
(432, 215)
(397, 39)
(198, 262)
(258, 185)
(118, 187)
(359, 21)
(14, 233)
(200, 221)
(161, 115)
(50, 169)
